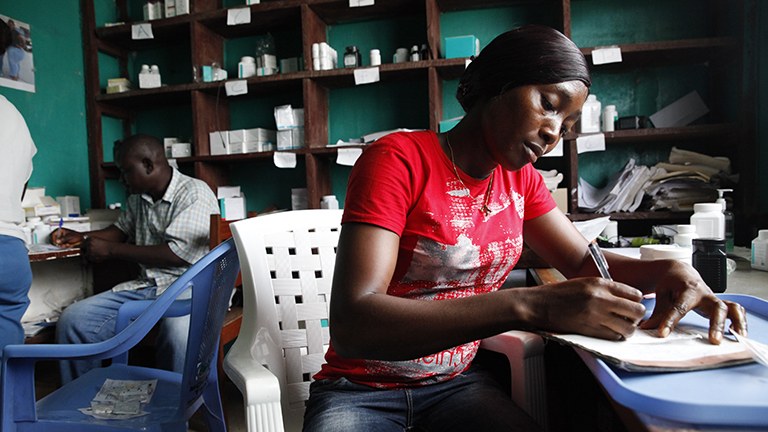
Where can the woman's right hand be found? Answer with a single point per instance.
(67, 238)
(590, 306)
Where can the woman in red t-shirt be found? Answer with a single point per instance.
(433, 223)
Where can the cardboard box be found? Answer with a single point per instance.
(561, 199)
(288, 139)
(218, 142)
(461, 46)
(232, 208)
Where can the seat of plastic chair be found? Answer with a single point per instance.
(287, 261)
(177, 396)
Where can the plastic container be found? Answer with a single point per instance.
(709, 259)
(247, 67)
(610, 117)
(729, 221)
(351, 57)
(709, 220)
(415, 53)
(685, 235)
(654, 252)
(329, 202)
(590, 115)
(759, 259)
(375, 57)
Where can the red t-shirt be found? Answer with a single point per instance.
(405, 183)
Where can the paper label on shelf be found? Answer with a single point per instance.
(142, 31)
(284, 159)
(590, 143)
(557, 151)
(366, 76)
(237, 87)
(239, 16)
(360, 3)
(348, 156)
(606, 55)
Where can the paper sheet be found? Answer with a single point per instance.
(686, 348)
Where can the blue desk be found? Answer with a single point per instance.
(734, 398)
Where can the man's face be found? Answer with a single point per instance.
(135, 173)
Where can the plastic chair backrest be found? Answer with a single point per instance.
(287, 261)
(211, 291)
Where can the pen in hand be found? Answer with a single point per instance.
(600, 262)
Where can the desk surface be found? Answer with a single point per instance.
(37, 254)
(742, 281)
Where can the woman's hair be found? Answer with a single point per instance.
(527, 55)
(6, 37)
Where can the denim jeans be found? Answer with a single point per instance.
(93, 320)
(472, 401)
(15, 280)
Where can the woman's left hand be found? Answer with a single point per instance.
(681, 290)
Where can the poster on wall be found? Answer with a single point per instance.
(17, 69)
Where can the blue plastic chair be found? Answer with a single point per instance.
(177, 396)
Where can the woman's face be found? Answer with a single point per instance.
(525, 122)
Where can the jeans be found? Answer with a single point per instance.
(15, 280)
(473, 400)
(93, 320)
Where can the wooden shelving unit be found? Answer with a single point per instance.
(204, 33)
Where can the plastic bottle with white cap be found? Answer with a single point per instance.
(709, 220)
(759, 259)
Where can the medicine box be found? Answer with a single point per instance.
(179, 150)
(288, 139)
(287, 117)
(461, 46)
(219, 142)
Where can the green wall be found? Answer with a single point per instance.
(55, 113)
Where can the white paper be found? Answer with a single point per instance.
(348, 156)
(142, 31)
(284, 159)
(359, 3)
(557, 151)
(366, 76)
(236, 87)
(686, 347)
(606, 55)
(590, 143)
(239, 16)
(680, 112)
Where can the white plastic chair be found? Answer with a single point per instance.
(287, 261)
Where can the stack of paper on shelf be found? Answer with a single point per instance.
(623, 193)
(687, 178)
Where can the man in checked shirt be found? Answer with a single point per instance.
(164, 228)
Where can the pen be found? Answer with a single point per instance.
(61, 224)
(600, 262)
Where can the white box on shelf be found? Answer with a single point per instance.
(288, 139)
(288, 117)
(149, 80)
(258, 146)
(232, 208)
(181, 150)
(219, 142)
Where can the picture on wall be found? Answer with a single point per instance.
(17, 69)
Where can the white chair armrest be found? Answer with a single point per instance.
(261, 392)
(525, 353)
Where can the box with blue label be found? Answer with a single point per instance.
(461, 46)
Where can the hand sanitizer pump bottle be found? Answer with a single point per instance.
(728, 216)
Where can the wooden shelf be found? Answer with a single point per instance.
(338, 11)
(686, 133)
(684, 51)
(202, 38)
(638, 215)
